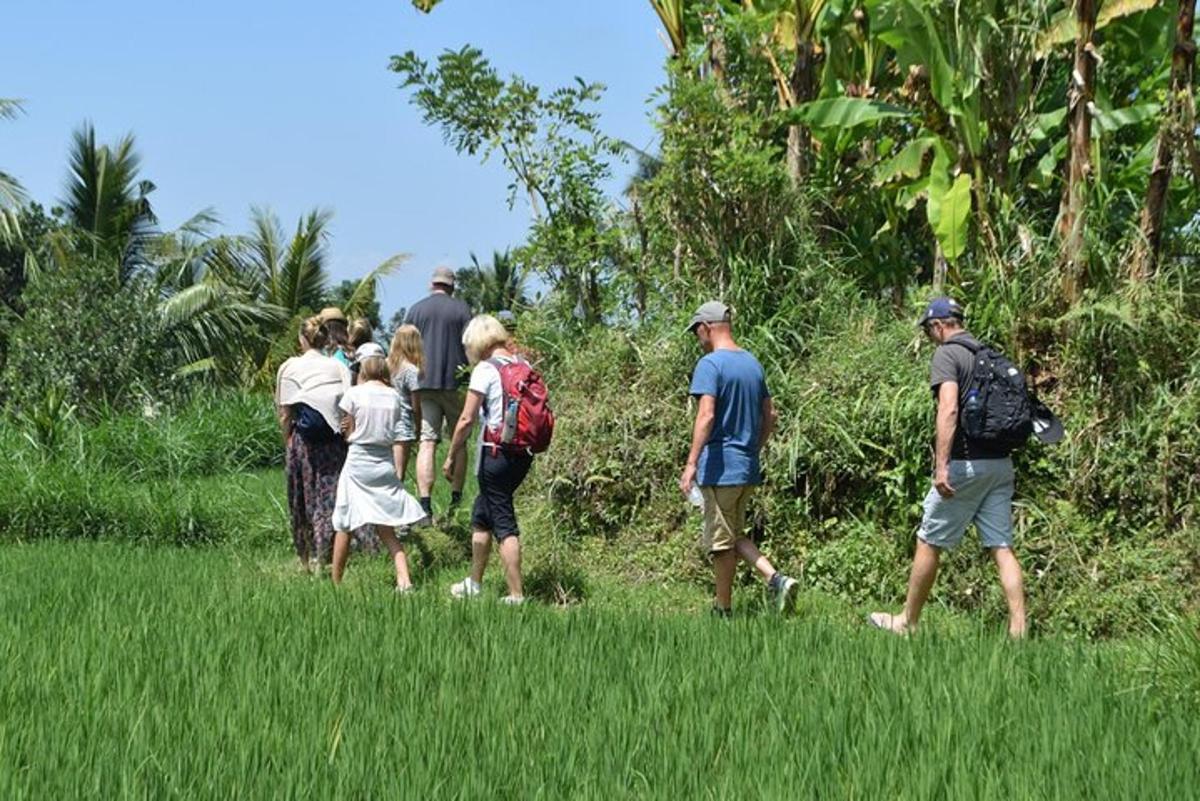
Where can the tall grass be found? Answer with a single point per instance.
(167, 674)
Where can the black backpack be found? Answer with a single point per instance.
(310, 425)
(996, 408)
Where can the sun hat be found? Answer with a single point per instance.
(443, 276)
(507, 319)
(331, 314)
(714, 311)
(941, 309)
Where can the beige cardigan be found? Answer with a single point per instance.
(316, 380)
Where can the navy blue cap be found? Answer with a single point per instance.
(940, 309)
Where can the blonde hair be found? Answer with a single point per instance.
(374, 368)
(314, 332)
(407, 346)
(360, 332)
(482, 334)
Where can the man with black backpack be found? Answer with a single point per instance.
(984, 412)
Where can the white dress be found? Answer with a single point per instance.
(369, 492)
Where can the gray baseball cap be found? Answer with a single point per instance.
(443, 276)
(712, 312)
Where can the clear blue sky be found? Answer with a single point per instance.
(290, 105)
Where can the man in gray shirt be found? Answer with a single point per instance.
(972, 481)
(441, 319)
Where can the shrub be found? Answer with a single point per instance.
(86, 333)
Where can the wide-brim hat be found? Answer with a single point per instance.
(331, 314)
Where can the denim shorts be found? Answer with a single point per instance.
(983, 494)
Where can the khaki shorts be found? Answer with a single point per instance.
(439, 408)
(724, 516)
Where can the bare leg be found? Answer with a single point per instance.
(510, 556)
(481, 549)
(341, 554)
(724, 566)
(920, 582)
(749, 552)
(1014, 590)
(400, 454)
(425, 457)
(396, 549)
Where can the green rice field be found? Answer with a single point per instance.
(186, 673)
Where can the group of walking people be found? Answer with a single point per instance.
(352, 415)
(349, 479)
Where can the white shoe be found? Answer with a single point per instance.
(467, 588)
(513, 600)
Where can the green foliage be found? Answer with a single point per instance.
(489, 288)
(91, 336)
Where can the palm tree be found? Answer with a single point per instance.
(492, 287)
(12, 194)
(106, 202)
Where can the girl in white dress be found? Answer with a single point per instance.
(369, 491)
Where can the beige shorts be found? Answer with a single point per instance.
(440, 408)
(724, 516)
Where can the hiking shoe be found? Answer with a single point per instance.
(784, 588)
(719, 613)
(513, 600)
(467, 588)
(406, 590)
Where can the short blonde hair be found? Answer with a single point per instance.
(482, 334)
(374, 368)
(406, 347)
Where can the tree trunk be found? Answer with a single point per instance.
(1081, 95)
(940, 268)
(640, 289)
(803, 88)
(1183, 65)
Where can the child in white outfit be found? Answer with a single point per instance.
(369, 492)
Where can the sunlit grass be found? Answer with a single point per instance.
(223, 673)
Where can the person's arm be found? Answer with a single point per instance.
(701, 431)
(947, 423)
(284, 415)
(466, 421)
(770, 419)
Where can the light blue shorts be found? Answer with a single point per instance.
(983, 493)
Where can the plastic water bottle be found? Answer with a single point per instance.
(696, 498)
(509, 430)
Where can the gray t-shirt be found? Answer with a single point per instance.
(406, 382)
(441, 320)
(957, 364)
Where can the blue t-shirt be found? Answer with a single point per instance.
(737, 381)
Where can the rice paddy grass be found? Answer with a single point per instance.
(212, 673)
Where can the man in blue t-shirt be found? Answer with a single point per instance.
(734, 420)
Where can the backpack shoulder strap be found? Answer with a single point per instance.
(962, 343)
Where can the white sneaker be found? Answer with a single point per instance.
(467, 588)
(513, 600)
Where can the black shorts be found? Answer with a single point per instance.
(500, 474)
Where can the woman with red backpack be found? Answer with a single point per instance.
(509, 398)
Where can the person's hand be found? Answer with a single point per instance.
(344, 425)
(448, 468)
(687, 479)
(941, 482)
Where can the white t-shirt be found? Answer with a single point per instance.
(485, 379)
(313, 379)
(376, 412)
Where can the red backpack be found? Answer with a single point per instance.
(527, 424)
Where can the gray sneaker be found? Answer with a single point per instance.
(785, 589)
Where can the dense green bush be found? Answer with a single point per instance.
(87, 333)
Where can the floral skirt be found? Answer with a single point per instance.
(312, 480)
